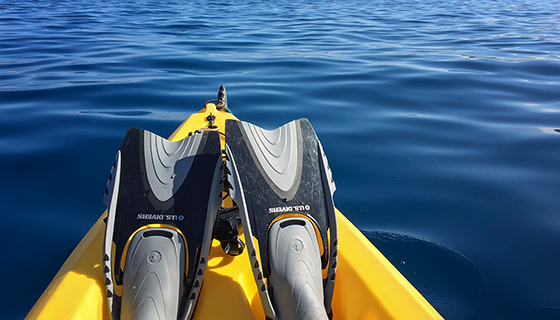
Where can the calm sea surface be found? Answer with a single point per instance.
(441, 120)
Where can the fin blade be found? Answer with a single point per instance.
(158, 182)
(284, 172)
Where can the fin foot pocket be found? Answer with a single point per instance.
(154, 272)
(161, 194)
(295, 270)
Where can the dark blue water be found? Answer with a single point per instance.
(441, 120)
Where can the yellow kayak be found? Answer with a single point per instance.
(367, 285)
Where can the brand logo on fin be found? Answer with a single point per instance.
(168, 217)
(289, 209)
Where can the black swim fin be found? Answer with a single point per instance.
(283, 186)
(162, 198)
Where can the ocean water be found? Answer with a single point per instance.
(441, 121)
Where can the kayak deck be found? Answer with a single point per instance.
(367, 285)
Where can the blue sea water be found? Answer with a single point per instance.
(441, 121)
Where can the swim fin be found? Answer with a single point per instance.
(283, 186)
(162, 198)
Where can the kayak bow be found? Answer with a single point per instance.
(367, 285)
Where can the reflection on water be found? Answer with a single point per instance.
(446, 278)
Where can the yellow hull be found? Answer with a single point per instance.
(367, 285)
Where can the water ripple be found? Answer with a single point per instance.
(440, 118)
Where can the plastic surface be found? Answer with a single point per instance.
(154, 272)
(278, 153)
(295, 270)
(367, 286)
(168, 162)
